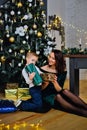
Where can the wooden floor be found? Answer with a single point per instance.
(54, 119)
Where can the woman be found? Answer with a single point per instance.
(53, 92)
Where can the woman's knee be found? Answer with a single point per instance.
(65, 91)
(58, 96)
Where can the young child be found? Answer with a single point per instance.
(35, 90)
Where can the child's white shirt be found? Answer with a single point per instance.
(26, 77)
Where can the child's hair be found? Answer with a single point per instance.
(29, 53)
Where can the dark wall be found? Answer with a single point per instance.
(45, 2)
(45, 7)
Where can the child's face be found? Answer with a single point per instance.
(31, 59)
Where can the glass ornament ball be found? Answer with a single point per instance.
(23, 57)
(12, 39)
(22, 51)
(30, 0)
(44, 25)
(10, 50)
(30, 5)
(31, 31)
(18, 12)
(37, 52)
(19, 64)
(34, 26)
(7, 35)
(24, 42)
(42, 3)
(1, 41)
(3, 58)
(39, 34)
(35, 32)
(19, 4)
(1, 21)
(12, 12)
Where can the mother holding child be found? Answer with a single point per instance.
(51, 90)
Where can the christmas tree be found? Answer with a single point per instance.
(23, 28)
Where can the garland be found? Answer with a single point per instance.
(74, 51)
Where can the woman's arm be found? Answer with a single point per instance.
(56, 84)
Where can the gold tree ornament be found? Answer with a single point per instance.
(34, 26)
(1, 40)
(11, 39)
(22, 51)
(19, 4)
(39, 34)
(42, 3)
(3, 59)
(1, 21)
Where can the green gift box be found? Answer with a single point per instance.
(11, 94)
(23, 93)
(37, 78)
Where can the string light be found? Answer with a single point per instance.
(19, 125)
(54, 22)
(74, 27)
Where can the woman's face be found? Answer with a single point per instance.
(51, 59)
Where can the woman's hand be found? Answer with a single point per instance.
(54, 78)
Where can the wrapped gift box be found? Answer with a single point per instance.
(12, 85)
(11, 94)
(31, 68)
(47, 76)
(23, 93)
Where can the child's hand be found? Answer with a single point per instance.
(31, 76)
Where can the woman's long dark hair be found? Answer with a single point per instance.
(60, 61)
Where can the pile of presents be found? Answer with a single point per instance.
(13, 92)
